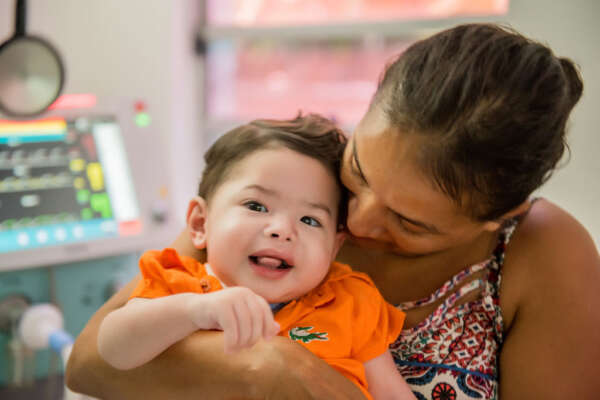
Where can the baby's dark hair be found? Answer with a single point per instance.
(312, 135)
(490, 107)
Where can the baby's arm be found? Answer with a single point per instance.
(137, 332)
(143, 328)
(385, 382)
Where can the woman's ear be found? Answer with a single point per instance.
(196, 221)
(518, 210)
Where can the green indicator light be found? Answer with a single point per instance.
(86, 213)
(99, 202)
(83, 196)
(142, 119)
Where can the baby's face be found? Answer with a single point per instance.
(272, 226)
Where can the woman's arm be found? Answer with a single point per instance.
(196, 367)
(553, 274)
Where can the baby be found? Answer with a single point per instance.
(269, 214)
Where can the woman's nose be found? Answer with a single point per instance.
(365, 217)
(280, 228)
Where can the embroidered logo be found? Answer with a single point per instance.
(303, 334)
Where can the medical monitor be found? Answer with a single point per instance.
(68, 189)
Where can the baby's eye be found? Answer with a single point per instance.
(255, 206)
(310, 221)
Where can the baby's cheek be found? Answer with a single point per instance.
(320, 264)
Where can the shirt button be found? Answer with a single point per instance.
(204, 285)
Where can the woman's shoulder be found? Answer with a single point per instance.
(550, 254)
(549, 233)
(550, 300)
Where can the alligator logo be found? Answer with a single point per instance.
(303, 334)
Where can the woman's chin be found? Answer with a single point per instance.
(384, 246)
(371, 244)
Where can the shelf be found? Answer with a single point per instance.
(395, 28)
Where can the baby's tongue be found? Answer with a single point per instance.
(269, 262)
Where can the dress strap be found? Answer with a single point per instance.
(511, 225)
(509, 229)
(448, 304)
(448, 286)
(463, 291)
(495, 262)
(503, 241)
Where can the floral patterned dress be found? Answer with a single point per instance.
(453, 354)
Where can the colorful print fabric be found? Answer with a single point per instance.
(452, 355)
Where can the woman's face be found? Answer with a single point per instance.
(392, 205)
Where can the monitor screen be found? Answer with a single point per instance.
(63, 181)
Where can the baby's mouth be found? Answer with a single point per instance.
(270, 262)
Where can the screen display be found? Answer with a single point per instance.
(64, 181)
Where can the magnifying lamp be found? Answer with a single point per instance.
(31, 71)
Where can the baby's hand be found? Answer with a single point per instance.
(241, 314)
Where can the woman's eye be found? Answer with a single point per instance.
(353, 169)
(356, 176)
(310, 221)
(411, 230)
(255, 206)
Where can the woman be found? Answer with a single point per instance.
(500, 290)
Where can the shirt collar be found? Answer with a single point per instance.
(210, 272)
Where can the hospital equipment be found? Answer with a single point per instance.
(31, 71)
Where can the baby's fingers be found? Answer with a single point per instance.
(261, 312)
(269, 327)
(272, 328)
(245, 321)
(231, 329)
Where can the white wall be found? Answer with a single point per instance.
(572, 29)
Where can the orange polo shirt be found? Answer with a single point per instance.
(345, 321)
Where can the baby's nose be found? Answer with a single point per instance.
(280, 228)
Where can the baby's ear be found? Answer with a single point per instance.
(340, 237)
(196, 221)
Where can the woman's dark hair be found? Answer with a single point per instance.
(311, 135)
(492, 108)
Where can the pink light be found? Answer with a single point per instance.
(129, 228)
(70, 101)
